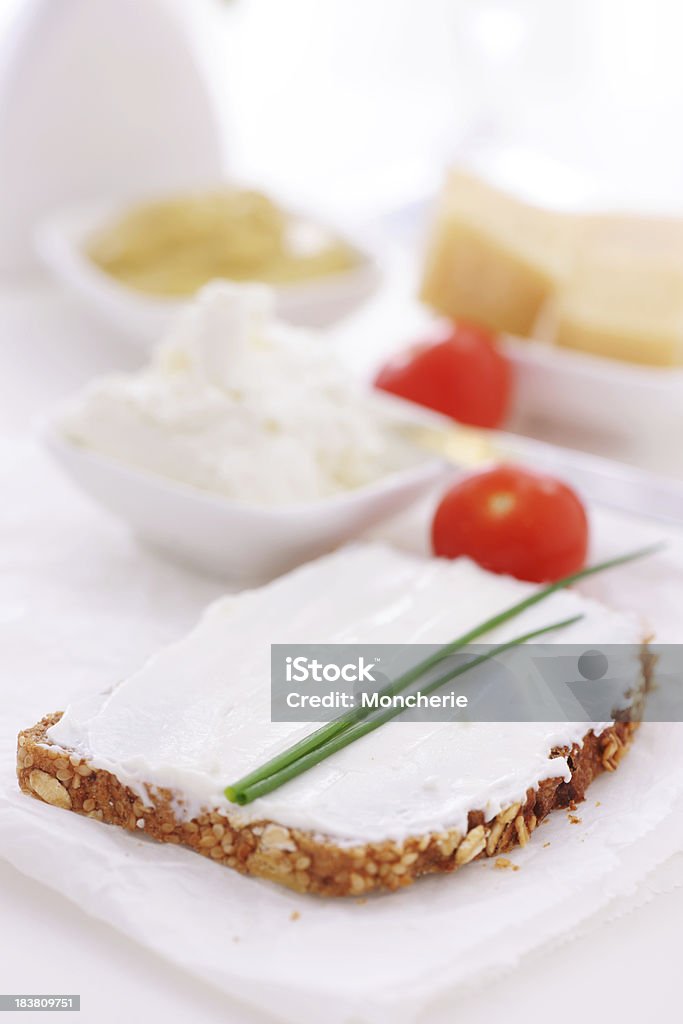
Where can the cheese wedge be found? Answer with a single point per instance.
(623, 296)
(493, 259)
(610, 285)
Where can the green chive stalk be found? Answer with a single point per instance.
(355, 732)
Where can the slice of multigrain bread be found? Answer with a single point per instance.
(302, 860)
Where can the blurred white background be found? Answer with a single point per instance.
(359, 104)
(369, 100)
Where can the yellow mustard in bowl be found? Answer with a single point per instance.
(173, 246)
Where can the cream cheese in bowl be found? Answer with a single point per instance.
(237, 404)
(244, 447)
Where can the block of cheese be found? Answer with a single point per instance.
(493, 259)
(623, 296)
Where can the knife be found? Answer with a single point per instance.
(605, 481)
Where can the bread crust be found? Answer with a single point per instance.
(298, 859)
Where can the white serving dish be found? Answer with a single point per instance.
(60, 241)
(242, 543)
(593, 394)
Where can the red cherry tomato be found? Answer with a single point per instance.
(463, 376)
(512, 521)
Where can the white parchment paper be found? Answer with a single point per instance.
(81, 605)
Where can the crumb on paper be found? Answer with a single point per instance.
(573, 819)
(503, 864)
(572, 805)
(546, 845)
(598, 803)
(294, 916)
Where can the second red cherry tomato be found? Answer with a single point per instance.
(510, 520)
(463, 375)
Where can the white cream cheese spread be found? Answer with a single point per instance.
(197, 716)
(240, 405)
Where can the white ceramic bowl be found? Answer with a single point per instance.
(593, 394)
(61, 243)
(243, 544)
